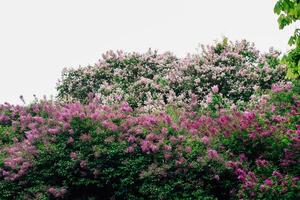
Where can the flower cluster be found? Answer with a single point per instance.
(151, 80)
(56, 150)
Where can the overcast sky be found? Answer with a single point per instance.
(39, 38)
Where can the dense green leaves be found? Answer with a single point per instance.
(289, 12)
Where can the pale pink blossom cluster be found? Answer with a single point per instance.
(151, 80)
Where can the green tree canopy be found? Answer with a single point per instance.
(289, 13)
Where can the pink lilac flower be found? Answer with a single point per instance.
(188, 149)
(209, 99)
(241, 175)
(131, 139)
(268, 182)
(232, 164)
(82, 115)
(212, 154)
(53, 131)
(67, 126)
(181, 138)
(39, 119)
(53, 191)
(174, 126)
(249, 115)
(71, 132)
(217, 177)
(154, 148)
(95, 116)
(167, 148)
(85, 137)
(180, 161)
(130, 149)
(277, 174)
(125, 107)
(173, 139)
(73, 155)
(91, 96)
(151, 137)
(145, 145)
(223, 120)
(70, 140)
(215, 89)
(242, 157)
(261, 162)
(277, 88)
(57, 192)
(205, 139)
(83, 164)
(164, 130)
(167, 156)
(262, 187)
(110, 125)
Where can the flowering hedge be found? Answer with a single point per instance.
(150, 81)
(52, 150)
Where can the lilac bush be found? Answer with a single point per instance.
(151, 80)
(223, 124)
(53, 150)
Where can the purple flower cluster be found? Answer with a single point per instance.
(248, 153)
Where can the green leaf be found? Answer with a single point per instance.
(278, 8)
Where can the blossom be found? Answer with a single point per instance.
(145, 145)
(180, 161)
(191, 76)
(276, 88)
(110, 125)
(125, 107)
(73, 155)
(53, 191)
(130, 149)
(57, 192)
(188, 149)
(205, 139)
(268, 182)
(70, 140)
(83, 164)
(151, 136)
(167, 156)
(181, 137)
(53, 131)
(154, 148)
(212, 154)
(262, 187)
(249, 115)
(131, 139)
(217, 177)
(164, 130)
(277, 174)
(261, 162)
(85, 137)
(215, 89)
(209, 99)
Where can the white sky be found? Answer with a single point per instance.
(39, 38)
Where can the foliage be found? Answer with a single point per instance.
(289, 12)
(75, 151)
